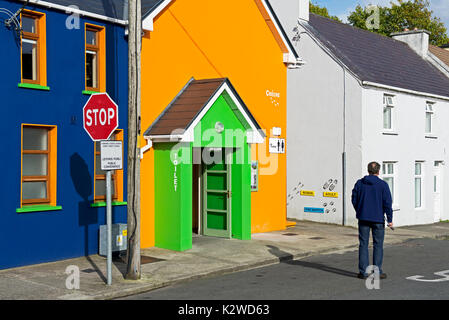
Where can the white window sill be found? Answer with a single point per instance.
(390, 133)
(431, 136)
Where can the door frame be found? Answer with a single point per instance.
(204, 229)
(437, 172)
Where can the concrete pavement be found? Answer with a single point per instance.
(208, 257)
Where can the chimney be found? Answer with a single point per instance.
(304, 9)
(418, 40)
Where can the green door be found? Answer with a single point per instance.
(216, 185)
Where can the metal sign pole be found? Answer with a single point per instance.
(109, 225)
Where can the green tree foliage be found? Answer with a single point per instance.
(322, 11)
(405, 14)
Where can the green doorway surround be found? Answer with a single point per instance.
(208, 115)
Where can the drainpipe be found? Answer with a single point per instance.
(145, 148)
(344, 148)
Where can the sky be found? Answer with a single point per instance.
(342, 8)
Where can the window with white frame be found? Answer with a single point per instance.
(418, 184)
(388, 112)
(429, 117)
(389, 176)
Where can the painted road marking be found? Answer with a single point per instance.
(444, 274)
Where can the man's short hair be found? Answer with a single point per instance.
(373, 168)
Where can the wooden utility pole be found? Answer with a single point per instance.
(133, 271)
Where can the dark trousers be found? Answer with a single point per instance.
(378, 231)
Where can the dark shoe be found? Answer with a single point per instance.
(362, 276)
(383, 276)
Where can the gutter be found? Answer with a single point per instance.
(434, 60)
(417, 93)
(305, 26)
(73, 10)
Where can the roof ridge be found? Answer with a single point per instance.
(370, 57)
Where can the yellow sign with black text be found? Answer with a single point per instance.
(330, 194)
(307, 193)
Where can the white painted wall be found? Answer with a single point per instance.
(315, 133)
(329, 112)
(409, 145)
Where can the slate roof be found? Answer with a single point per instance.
(188, 104)
(441, 54)
(376, 58)
(110, 8)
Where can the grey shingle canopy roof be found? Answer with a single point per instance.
(110, 8)
(379, 59)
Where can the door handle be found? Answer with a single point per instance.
(229, 193)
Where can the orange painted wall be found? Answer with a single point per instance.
(212, 39)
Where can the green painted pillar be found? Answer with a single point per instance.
(173, 195)
(241, 194)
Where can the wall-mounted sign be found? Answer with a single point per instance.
(111, 155)
(276, 131)
(307, 193)
(330, 194)
(254, 175)
(276, 145)
(314, 210)
(274, 97)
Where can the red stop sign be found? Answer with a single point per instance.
(100, 116)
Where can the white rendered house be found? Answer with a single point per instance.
(363, 97)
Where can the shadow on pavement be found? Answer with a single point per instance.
(285, 257)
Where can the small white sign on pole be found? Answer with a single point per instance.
(111, 155)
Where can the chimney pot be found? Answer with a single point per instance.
(304, 9)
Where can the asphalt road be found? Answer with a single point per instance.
(331, 276)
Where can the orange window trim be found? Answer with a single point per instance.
(100, 48)
(50, 178)
(41, 39)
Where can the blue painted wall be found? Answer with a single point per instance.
(36, 237)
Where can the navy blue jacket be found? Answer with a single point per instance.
(371, 198)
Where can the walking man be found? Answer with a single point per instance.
(371, 198)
